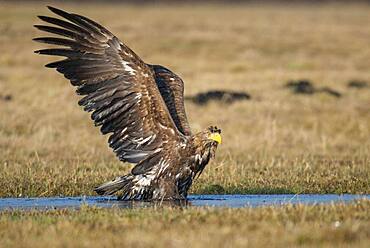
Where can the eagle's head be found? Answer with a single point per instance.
(206, 143)
(211, 139)
(213, 135)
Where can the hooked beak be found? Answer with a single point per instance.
(216, 137)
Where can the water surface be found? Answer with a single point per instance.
(231, 201)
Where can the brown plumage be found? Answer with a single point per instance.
(141, 106)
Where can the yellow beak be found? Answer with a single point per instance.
(216, 137)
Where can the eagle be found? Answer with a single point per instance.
(140, 106)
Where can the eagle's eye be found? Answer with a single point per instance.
(214, 129)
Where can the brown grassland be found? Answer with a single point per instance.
(288, 226)
(277, 142)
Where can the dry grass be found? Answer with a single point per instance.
(289, 226)
(275, 143)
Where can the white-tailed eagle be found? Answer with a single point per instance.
(140, 105)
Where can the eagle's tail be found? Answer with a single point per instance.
(133, 187)
(111, 187)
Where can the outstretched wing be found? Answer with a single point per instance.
(172, 90)
(118, 86)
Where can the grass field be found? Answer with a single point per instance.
(289, 226)
(277, 142)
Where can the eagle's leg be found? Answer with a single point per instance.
(184, 181)
(166, 189)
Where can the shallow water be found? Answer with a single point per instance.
(232, 201)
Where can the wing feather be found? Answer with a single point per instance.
(118, 87)
(171, 88)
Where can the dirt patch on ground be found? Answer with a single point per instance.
(306, 87)
(218, 96)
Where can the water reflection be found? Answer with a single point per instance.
(145, 204)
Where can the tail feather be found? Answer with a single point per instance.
(131, 187)
(111, 187)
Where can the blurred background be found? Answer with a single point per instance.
(287, 81)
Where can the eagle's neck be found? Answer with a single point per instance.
(203, 151)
